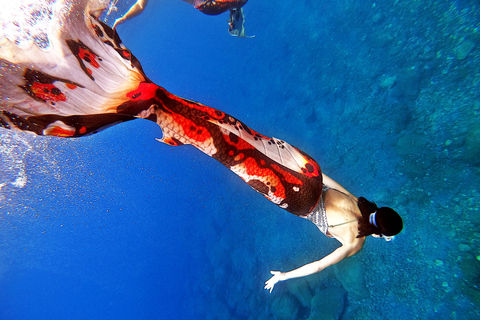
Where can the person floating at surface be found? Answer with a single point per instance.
(214, 7)
(236, 22)
(79, 78)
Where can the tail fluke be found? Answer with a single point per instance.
(86, 80)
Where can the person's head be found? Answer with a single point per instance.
(379, 222)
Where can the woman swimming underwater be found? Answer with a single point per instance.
(78, 78)
(236, 22)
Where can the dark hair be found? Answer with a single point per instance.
(389, 222)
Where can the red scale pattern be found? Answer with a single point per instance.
(186, 122)
(294, 191)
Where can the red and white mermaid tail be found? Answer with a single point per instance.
(82, 79)
(285, 175)
(68, 80)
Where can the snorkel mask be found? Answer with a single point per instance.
(373, 221)
(388, 238)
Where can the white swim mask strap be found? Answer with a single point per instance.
(372, 219)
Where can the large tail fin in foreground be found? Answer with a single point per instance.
(81, 79)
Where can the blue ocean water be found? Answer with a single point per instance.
(384, 95)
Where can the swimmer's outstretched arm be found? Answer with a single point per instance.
(135, 10)
(314, 267)
(348, 248)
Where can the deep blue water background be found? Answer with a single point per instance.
(384, 95)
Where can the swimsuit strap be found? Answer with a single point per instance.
(339, 224)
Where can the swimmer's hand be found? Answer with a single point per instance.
(277, 276)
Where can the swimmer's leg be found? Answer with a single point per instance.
(134, 11)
